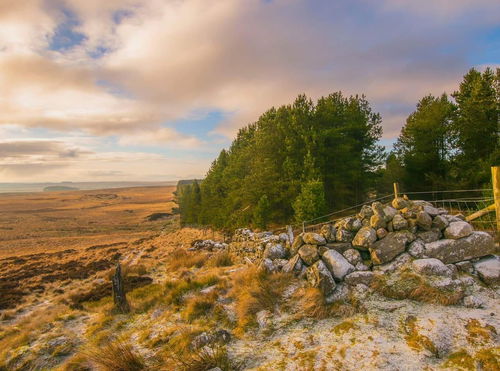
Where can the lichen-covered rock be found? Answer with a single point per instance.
(297, 243)
(352, 224)
(381, 233)
(477, 245)
(431, 266)
(378, 221)
(267, 265)
(309, 254)
(399, 203)
(465, 266)
(274, 251)
(431, 210)
(440, 222)
(424, 220)
(353, 256)
(472, 302)
(488, 270)
(293, 265)
(399, 223)
(366, 212)
(337, 264)
(313, 239)
(417, 248)
(343, 235)
(391, 246)
(378, 209)
(389, 212)
(429, 236)
(319, 276)
(365, 237)
(362, 267)
(340, 247)
(356, 278)
(401, 261)
(458, 230)
(328, 231)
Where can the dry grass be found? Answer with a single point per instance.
(203, 359)
(185, 259)
(199, 306)
(408, 285)
(116, 355)
(310, 302)
(220, 259)
(176, 290)
(255, 290)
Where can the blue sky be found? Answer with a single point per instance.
(153, 90)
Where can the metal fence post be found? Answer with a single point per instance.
(495, 182)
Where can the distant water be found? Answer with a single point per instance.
(39, 187)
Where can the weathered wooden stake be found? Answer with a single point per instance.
(495, 182)
(396, 190)
(119, 297)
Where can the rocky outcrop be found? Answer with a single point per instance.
(476, 245)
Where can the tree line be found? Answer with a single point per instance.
(302, 160)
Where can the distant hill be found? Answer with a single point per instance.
(59, 188)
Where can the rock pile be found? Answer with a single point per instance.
(379, 240)
(208, 245)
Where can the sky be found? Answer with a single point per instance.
(128, 90)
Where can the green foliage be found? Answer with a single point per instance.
(333, 141)
(311, 201)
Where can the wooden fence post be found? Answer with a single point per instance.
(396, 189)
(495, 182)
(119, 297)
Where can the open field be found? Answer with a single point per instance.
(49, 222)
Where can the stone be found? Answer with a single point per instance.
(377, 221)
(424, 220)
(366, 212)
(412, 225)
(322, 249)
(337, 264)
(429, 236)
(381, 233)
(352, 224)
(328, 232)
(400, 203)
(488, 270)
(440, 222)
(448, 284)
(362, 267)
(353, 256)
(399, 223)
(391, 246)
(431, 210)
(274, 251)
(472, 301)
(365, 237)
(309, 254)
(389, 212)
(339, 246)
(417, 248)
(267, 265)
(465, 266)
(356, 278)
(477, 245)
(313, 239)
(343, 235)
(400, 261)
(431, 266)
(341, 293)
(390, 227)
(283, 237)
(293, 265)
(378, 209)
(453, 269)
(297, 243)
(458, 230)
(319, 276)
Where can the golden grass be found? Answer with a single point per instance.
(175, 290)
(203, 359)
(116, 355)
(185, 259)
(408, 285)
(199, 306)
(255, 290)
(220, 259)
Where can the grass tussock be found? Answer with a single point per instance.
(185, 259)
(203, 359)
(116, 355)
(408, 285)
(310, 302)
(255, 290)
(176, 290)
(199, 306)
(414, 339)
(220, 259)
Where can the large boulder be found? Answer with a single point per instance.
(429, 236)
(352, 224)
(391, 246)
(389, 212)
(343, 235)
(309, 254)
(458, 230)
(378, 221)
(365, 237)
(477, 245)
(431, 266)
(356, 278)
(274, 251)
(353, 256)
(399, 223)
(313, 238)
(400, 203)
(319, 276)
(424, 220)
(489, 270)
(339, 246)
(328, 232)
(440, 222)
(337, 264)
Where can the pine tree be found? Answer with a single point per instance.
(261, 213)
(310, 203)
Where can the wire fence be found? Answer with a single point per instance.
(463, 201)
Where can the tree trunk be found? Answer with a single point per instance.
(119, 297)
